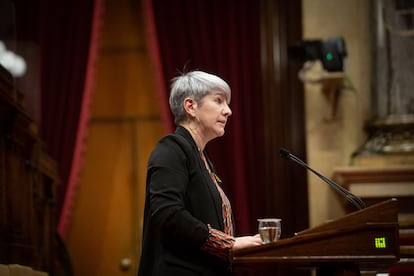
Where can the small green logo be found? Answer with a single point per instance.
(380, 243)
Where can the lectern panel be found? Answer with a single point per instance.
(368, 237)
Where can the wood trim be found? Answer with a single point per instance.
(353, 175)
(285, 184)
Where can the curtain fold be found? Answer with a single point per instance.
(221, 37)
(68, 39)
(155, 56)
(82, 124)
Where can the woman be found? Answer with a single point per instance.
(188, 223)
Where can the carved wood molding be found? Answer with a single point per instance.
(353, 174)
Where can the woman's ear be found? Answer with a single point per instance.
(190, 106)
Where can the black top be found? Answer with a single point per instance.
(181, 199)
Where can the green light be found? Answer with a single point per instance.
(380, 243)
(329, 56)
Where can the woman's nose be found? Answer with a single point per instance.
(227, 110)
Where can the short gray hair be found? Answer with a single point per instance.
(194, 85)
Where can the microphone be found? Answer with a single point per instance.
(355, 200)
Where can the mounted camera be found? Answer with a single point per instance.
(331, 52)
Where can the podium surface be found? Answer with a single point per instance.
(367, 238)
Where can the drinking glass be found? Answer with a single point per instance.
(269, 229)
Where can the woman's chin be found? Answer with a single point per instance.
(220, 133)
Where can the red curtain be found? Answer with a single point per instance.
(66, 33)
(221, 37)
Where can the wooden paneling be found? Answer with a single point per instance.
(105, 234)
(107, 223)
(28, 179)
(124, 85)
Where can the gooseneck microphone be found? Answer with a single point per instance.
(355, 200)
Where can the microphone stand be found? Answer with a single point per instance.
(355, 200)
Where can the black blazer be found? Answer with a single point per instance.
(181, 199)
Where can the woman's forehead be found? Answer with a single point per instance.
(217, 93)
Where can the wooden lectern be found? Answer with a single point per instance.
(360, 241)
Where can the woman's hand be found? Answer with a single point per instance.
(247, 241)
